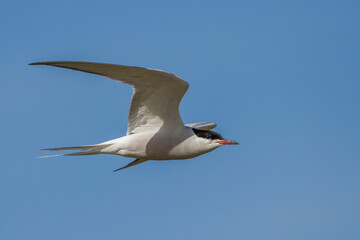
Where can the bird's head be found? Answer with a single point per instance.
(213, 138)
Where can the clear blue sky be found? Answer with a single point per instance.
(280, 77)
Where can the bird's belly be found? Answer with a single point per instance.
(160, 153)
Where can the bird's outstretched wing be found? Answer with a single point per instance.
(157, 94)
(133, 163)
(202, 125)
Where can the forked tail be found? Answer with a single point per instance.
(85, 150)
(88, 150)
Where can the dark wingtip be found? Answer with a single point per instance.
(38, 63)
(118, 169)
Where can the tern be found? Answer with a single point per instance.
(155, 130)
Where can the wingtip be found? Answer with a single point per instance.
(116, 170)
(38, 63)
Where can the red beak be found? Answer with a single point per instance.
(227, 142)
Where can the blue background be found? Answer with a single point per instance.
(280, 77)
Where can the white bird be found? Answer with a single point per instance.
(155, 129)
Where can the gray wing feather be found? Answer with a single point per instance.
(157, 94)
(133, 163)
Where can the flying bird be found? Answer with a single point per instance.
(155, 130)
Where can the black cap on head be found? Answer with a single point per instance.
(207, 134)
